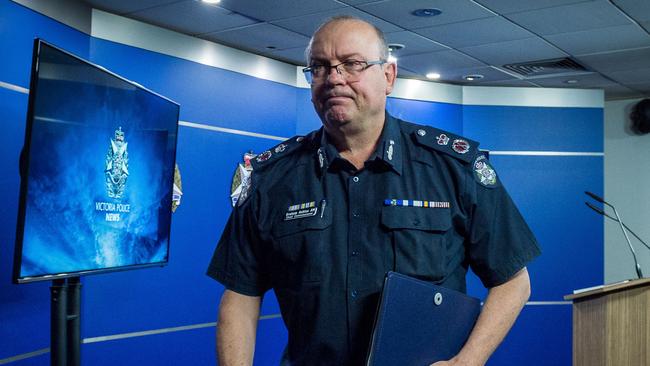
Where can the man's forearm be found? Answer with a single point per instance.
(236, 329)
(500, 310)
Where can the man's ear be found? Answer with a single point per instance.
(390, 72)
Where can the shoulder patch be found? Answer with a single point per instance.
(241, 180)
(457, 146)
(277, 152)
(483, 172)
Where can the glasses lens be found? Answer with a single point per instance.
(353, 67)
(308, 75)
(350, 70)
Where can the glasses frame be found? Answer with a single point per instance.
(309, 71)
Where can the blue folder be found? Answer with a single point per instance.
(419, 323)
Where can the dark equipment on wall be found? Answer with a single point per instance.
(640, 117)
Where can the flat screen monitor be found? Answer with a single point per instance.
(97, 171)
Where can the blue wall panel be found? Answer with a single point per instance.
(40, 360)
(541, 336)
(193, 347)
(440, 115)
(535, 128)
(18, 28)
(549, 194)
(23, 309)
(306, 118)
(207, 95)
(271, 339)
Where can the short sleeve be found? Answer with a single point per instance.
(500, 243)
(237, 262)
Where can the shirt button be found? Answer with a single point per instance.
(355, 179)
(355, 253)
(354, 293)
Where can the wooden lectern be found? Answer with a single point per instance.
(611, 324)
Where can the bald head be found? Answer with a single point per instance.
(382, 47)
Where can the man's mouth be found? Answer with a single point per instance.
(337, 97)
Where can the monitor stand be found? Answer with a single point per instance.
(65, 316)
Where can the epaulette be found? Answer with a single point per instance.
(277, 152)
(457, 146)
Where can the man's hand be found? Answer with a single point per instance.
(501, 308)
(236, 328)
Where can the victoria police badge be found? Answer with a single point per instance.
(117, 165)
(484, 172)
(177, 190)
(241, 180)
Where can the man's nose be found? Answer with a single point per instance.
(334, 74)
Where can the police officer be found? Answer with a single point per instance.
(326, 215)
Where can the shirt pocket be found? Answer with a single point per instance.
(418, 240)
(298, 249)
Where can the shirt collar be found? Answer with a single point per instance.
(389, 149)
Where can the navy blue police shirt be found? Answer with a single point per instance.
(323, 234)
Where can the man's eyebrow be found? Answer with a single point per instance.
(351, 56)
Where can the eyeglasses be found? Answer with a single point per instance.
(350, 70)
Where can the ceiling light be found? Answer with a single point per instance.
(211, 1)
(392, 47)
(426, 12)
(433, 75)
(571, 81)
(473, 77)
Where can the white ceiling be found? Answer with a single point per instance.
(610, 38)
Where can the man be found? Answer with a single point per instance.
(328, 214)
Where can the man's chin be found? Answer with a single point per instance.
(337, 116)
(336, 120)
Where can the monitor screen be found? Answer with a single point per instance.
(96, 171)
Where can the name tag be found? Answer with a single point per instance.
(301, 211)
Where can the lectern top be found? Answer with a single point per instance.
(603, 289)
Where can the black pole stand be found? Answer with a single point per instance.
(58, 323)
(65, 330)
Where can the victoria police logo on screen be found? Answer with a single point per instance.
(116, 173)
(117, 165)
